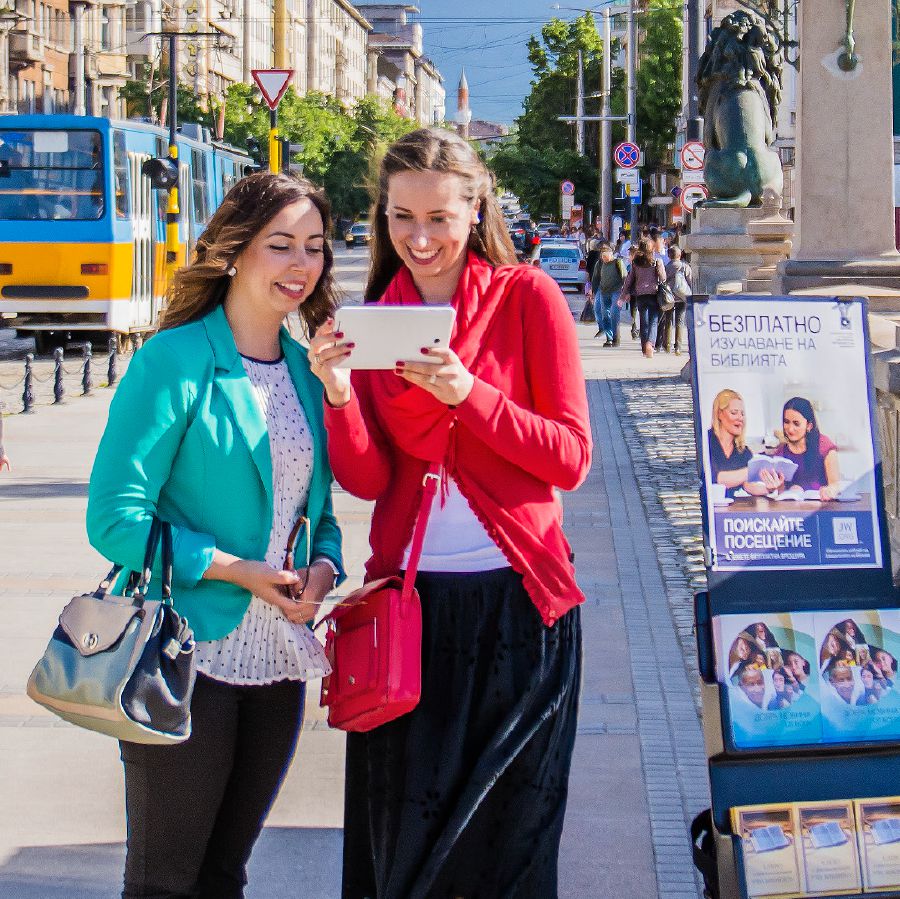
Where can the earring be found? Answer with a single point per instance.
(231, 272)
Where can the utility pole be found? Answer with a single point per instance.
(78, 37)
(695, 22)
(279, 34)
(606, 131)
(579, 108)
(631, 90)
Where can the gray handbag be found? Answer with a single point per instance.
(122, 665)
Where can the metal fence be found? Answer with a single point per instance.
(46, 383)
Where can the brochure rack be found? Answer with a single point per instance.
(811, 570)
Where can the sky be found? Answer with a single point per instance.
(488, 37)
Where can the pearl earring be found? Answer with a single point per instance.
(231, 272)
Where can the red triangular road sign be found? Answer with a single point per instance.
(272, 83)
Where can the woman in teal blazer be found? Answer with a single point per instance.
(217, 429)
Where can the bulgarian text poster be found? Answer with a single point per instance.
(786, 437)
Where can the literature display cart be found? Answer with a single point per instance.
(798, 632)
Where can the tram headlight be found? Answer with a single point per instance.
(163, 173)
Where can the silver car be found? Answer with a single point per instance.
(563, 261)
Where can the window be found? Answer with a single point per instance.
(50, 174)
(120, 169)
(198, 175)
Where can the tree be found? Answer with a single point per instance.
(659, 78)
(141, 102)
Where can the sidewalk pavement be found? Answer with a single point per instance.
(639, 769)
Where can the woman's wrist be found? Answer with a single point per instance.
(337, 399)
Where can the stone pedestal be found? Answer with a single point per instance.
(731, 248)
(845, 205)
(772, 235)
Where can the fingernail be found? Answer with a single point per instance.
(424, 349)
(350, 346)
(397, 371)
(338, 333)
(399, 363)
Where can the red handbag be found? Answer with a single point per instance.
(374, 642)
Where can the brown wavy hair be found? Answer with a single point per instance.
(247, 208)
(436, 150)
(644, 255)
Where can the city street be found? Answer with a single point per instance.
(639, 774)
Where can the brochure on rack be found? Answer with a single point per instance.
(809, 677)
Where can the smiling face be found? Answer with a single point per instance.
(885, 662)
(754, 686)
(280, 267)
(797, 666)
(731, 418)
(842, 681)
(778, 682)
(868, 678)
(795, 426)
(429, 222)
(742, 649)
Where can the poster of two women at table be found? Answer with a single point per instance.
(786, 437)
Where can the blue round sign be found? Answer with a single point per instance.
(627, 155)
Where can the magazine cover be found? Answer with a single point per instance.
(856, 657)
(826, 835)
(769, 844)
(767, 664)
(786, 442)
(878, 833)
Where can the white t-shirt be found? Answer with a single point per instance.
(455, 540)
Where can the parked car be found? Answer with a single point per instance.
(563, 261)
(524, 236)
(358, 235)
(548, 229)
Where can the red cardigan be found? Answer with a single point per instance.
(522, 430)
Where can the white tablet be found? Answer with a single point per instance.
(385, 334)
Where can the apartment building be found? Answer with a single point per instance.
(337, 40)
(396, 56)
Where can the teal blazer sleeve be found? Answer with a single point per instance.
(148, 418)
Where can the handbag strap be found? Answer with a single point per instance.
(160, 531)
(430, 486)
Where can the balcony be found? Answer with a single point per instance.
(25, 47)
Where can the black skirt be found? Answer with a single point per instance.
(466, 795)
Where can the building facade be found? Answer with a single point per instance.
(337, 38)
(396, 57)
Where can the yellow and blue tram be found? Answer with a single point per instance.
(82, 232)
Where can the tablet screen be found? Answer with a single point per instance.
(384, 335)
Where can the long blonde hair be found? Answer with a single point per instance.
(247, 208)
(436, 150)
(723, 398)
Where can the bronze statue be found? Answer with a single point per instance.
(740, 87)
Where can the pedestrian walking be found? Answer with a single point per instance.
(609, 276)
(680, 278)
(595, 241)
(465, 795)
(641, 285)
(217, 428)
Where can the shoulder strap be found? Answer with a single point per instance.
(430, 486)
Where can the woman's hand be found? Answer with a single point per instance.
(302, 606)
(4, 462)
(325, 352)
(768, 482)
(829, 492)
(445, 378)
(271, 585)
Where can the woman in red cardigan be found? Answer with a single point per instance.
(465, 796)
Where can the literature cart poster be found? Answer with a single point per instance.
(786, 438)
(766, 662)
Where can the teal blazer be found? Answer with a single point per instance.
(186, 439)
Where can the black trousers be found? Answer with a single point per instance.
(196, 809)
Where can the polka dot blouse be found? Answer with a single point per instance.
(266, 647)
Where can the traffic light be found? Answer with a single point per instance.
(289, 150)
(162, 172)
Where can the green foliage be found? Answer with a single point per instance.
(659, 78)
(338, 146)
(141, 102)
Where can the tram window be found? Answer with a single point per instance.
(120, 170)
(198, 175)
(51, 175)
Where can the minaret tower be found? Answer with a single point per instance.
(463, 113)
